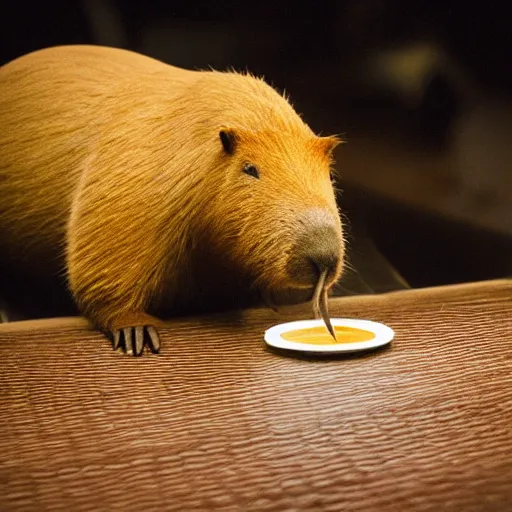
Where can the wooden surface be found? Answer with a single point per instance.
(219, 422)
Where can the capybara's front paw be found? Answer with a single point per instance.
(131, 340)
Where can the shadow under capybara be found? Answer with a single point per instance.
(158, 190)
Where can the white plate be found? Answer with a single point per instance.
(383, 335)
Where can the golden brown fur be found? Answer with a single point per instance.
(111, 165)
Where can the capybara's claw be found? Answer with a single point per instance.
(154, 339)
(132, 340)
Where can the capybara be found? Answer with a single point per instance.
(159, 190)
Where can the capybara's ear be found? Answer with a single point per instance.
(329, 144)
(228, 139)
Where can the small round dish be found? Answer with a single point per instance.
(352, 335)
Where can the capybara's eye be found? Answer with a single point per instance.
(251, 170)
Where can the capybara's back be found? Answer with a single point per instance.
(51, 105)
(153, 188)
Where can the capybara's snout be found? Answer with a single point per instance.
(318, 247)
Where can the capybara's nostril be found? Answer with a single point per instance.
(319, 248)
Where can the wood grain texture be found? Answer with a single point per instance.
(219, 422)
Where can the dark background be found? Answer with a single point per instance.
(422, 93)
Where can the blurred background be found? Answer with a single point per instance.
(421, 91)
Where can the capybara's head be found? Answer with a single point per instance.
(273, 212)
